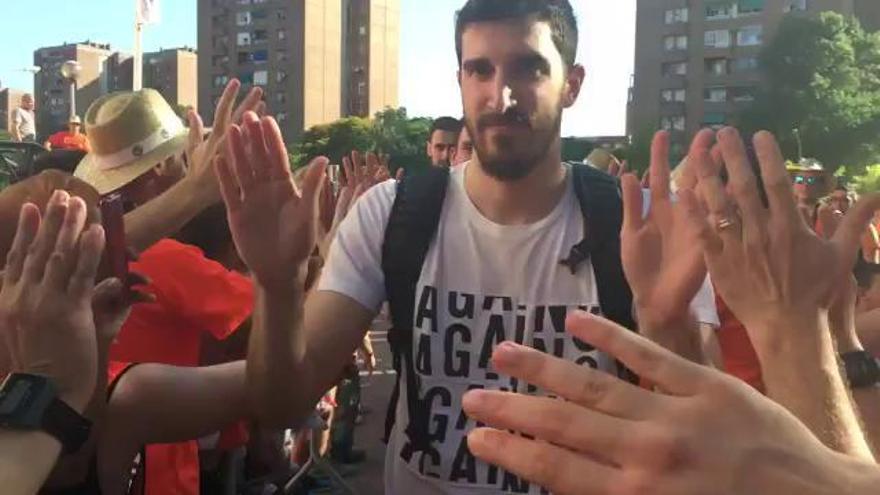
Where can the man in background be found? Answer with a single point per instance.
(24, 127)
(71, 139)
(465, 149)
(443, 140)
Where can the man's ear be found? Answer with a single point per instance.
(574, 81)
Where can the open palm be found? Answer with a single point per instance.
(274, 225)
(661, 252)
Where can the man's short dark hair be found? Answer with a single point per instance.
(558, 13)
(446, 124)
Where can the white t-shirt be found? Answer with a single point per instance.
(482, 283)
(24, 121)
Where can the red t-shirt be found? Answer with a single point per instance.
(64, 140)
(740, 359)
(194, 296)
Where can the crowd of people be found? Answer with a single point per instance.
(180, 295)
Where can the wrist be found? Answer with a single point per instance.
(198, 194)
(283, 288)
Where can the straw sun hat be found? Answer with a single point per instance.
(130, 133)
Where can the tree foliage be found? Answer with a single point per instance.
(390, 132)
(823, 78)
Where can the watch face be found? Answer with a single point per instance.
(23, 399)
(13, 396)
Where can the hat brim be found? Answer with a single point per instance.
(107, 181)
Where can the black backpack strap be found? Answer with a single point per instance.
(602, 206)
(411, 228)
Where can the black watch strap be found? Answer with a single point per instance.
(65, 424)
(862, 369)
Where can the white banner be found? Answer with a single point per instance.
(147, 11)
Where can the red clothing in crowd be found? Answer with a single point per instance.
(65, 140)
(740, 359)
(195, 296)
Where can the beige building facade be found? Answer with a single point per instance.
(174, 73)
(316, 60)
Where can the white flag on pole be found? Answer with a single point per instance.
(147, 11)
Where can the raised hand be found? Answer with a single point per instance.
(661, 253)
(358, 178)
(767, 263)
(46, 297)
(608, 436)
(274, 225)
(201, 151)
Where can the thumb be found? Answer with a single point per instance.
(853, 225)
(313, 183)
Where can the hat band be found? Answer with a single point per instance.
(139, 149)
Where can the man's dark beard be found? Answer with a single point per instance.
(513, 169)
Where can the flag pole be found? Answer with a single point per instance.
(137, 79)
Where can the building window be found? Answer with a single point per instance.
(715, 11)
(281, 55)
(744, 94)
(246, 78)
(676, 42)
(714, 120)
(261, 36)
(675, 69)
(220, 81)
(260, 56)
(719, 38)
(676, 16)
(673, 95)
(261, 78)
(220, 60)
(795, 5)
(715, 95)
(260, 14)
(745, 64)
(280, 76)
(749, 7)
(281, 117)
(242, 18)
(244, 57)
(281, 14)
(281, 98)
(750, 36)
(672, 123)
(282, 34)
(244, 2)
(716, 66)
(244, 39)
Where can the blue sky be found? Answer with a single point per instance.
(606, 49)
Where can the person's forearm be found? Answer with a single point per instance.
(16, 135)
(867, 399)
(280, 379)
(801, 372)
(682, 337)
(26, 459)
(165, 215)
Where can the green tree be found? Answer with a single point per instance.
(866, 180)
(823, 78)
(333, 140)
(5, 136)
(402, 137)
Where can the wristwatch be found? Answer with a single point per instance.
(31, 403)
(862, 369)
